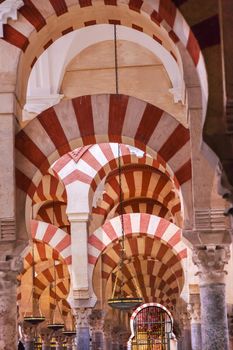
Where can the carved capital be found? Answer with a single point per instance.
(185, 320)
(107, 328)
(211, 260)
(46, 336)
(82, 316)
(194, 312)
(97, 320)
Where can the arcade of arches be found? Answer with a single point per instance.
(116, 127)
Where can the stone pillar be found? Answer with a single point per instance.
(28, 332)
(83, 332)
(115, 339)
(59, 338)
(79, 251)
(108, 335)
(194, 310)
(97, 324)
(210, 261)
(186, 334)
(46, 336)
(8, 309)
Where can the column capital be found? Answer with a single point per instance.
(194, 312)
(185, 320)
(96, 319)
(210, 260)
(82, 316)
(46, 336)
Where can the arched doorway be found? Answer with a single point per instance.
(151, 328)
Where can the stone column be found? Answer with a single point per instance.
(9, 270)
(83, 332)
(59, 338)
(186, 333)
(115, 339)
(97, 324)
(46, 336)
(69, 343)
(108, 335)
(194, 310)
(28, 332)
(210, 261)
(79, 250)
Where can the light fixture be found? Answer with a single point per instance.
(121, 301)
(55, 326)
(35, 318)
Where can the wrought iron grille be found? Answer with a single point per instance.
(152, 329)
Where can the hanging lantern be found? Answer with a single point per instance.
(36, 317)
(55, 326)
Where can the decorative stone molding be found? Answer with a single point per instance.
(210, 219)
(210, 261)
(9, 270)
(38, 104)
(82, 316)
(7, 229)
(8, 9)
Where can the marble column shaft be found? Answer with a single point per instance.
(211, 261)
(194, 310)
(8, 309)
(97, 324)
(83, 331)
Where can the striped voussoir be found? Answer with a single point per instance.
(144, 205)
(139, 184)
(50, 188)
(56, 238)
(46, 278)
(154, 278)
(146, 235)
(36, 14)
(42, 252)
(88, 119)
(157, 264)
(54, 213)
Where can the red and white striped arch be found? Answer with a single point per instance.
(141, 307)
(141, 15)
(98, 160)
(56, 238)
(46, 277)
(54, 213)
(42, 252)
(144, 205)
(162, 263)
(92, 119)
(158, 229)
(154, 287)
(138, 183)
